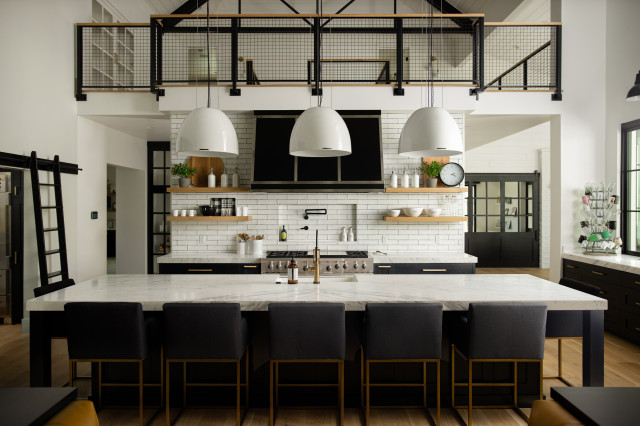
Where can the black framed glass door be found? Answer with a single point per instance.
(503, 226)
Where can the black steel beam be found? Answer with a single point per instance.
(293, 9)
(187, 8)
(22, 162)
(448, 8)
(557, 96)
(79, 95)
(234, 57)
(339, 12)
(399, 91)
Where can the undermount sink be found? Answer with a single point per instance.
(332, 279)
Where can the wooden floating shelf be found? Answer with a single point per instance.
(426, 219)
(432, 190)
(206, 189)
(208, 218)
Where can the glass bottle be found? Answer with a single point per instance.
(292, 272)
(405, 178)
(393, 179)
(416, 179)
(211, 179)
(224, 179)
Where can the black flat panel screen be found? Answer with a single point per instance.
(317, 169)
(272, 161)
(364, 161)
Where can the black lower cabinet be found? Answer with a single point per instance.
(424, 268)
(209, 268)
(622, 291)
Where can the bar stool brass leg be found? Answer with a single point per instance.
(238, 393)
(271, 366)
(166, 400)
(141, 390)
(438, 392)
(367, 390)
(453, 376)
(469, 415)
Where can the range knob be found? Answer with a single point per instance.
(346, 265)
(364, 265)
(279, 265)
(337, 265)
(329, 268)
(270, 266)
(355, 265)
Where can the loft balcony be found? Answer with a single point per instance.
(393, 51)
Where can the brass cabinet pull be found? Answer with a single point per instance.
(434, 270)
(199, 270)
(571, 267)
(637, 282)
(597, 273)
(637, 303)
(384, 266)
(637, 329)
(15, 257)
(250, 266)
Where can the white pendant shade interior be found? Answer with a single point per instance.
(320, 132)
(207, 132)
(430, 132)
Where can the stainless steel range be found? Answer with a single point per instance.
(331, 263)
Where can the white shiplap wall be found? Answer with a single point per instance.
(362, 211)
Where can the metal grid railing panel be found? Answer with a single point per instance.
(115, 57)
(520, 57)
(184, 51)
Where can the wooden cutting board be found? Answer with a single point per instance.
(203, 165)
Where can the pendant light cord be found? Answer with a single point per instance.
(320, 58)
(441, 50)
(430, 90)
(208, 62)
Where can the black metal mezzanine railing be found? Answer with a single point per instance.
(294, 49)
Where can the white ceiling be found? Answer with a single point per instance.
(149, 129)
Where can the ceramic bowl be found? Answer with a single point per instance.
(394, 212)
(434, 211)
(412, 211)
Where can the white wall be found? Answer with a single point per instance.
(38, 110)
(99, 145)
(623, 62)
(131, 220)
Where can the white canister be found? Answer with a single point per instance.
(183, 212)
(393, 179)
(255, 247)
(245, 211)
(176, 212)
(416, 180)
(211, 180)
(241, 247)
(405, 180)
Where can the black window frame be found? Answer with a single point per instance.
(625, 172)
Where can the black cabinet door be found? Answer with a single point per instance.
(424, 268)
(209, 268)
(382, 268)
(272, 161)
(364, 161)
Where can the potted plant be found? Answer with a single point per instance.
(433, 171)
(184, 172)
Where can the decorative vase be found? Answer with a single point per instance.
(241, 248)
(432, 182)
(255, 247)
(185, 182)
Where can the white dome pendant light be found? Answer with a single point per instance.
(430, 131)
(320, 131)
(207, 132)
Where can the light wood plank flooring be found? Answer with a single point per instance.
(622, 368)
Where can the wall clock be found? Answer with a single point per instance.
(452, 174)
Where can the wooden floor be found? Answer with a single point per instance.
(622, 368)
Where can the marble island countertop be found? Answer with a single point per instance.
(255, 292)
(378, 257)
(620, 262)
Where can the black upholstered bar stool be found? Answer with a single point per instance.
(567, 324)
(306, 333)
(206, 332)
(403, 332)
(498, 332)
(109, 332)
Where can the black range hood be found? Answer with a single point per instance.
(275, 170)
